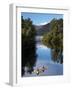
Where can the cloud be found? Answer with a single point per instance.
(42, 47)
(43, 23)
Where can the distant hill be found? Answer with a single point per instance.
(42, 29)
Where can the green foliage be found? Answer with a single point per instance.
(54, 38)
(28, 45)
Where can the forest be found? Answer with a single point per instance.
(28, 45)
(54, 39)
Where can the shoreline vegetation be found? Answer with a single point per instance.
(28, 45)
(53, 39)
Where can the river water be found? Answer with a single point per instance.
(44, 60)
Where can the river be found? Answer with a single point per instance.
(44, 60)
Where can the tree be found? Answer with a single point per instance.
(28, 45)
(54, 38)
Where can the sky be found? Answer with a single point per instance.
(41, 18)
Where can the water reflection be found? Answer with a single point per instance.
(48, 54)
(43, 53)
(56, 56)
(45, 63)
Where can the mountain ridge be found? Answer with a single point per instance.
(41, 29)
